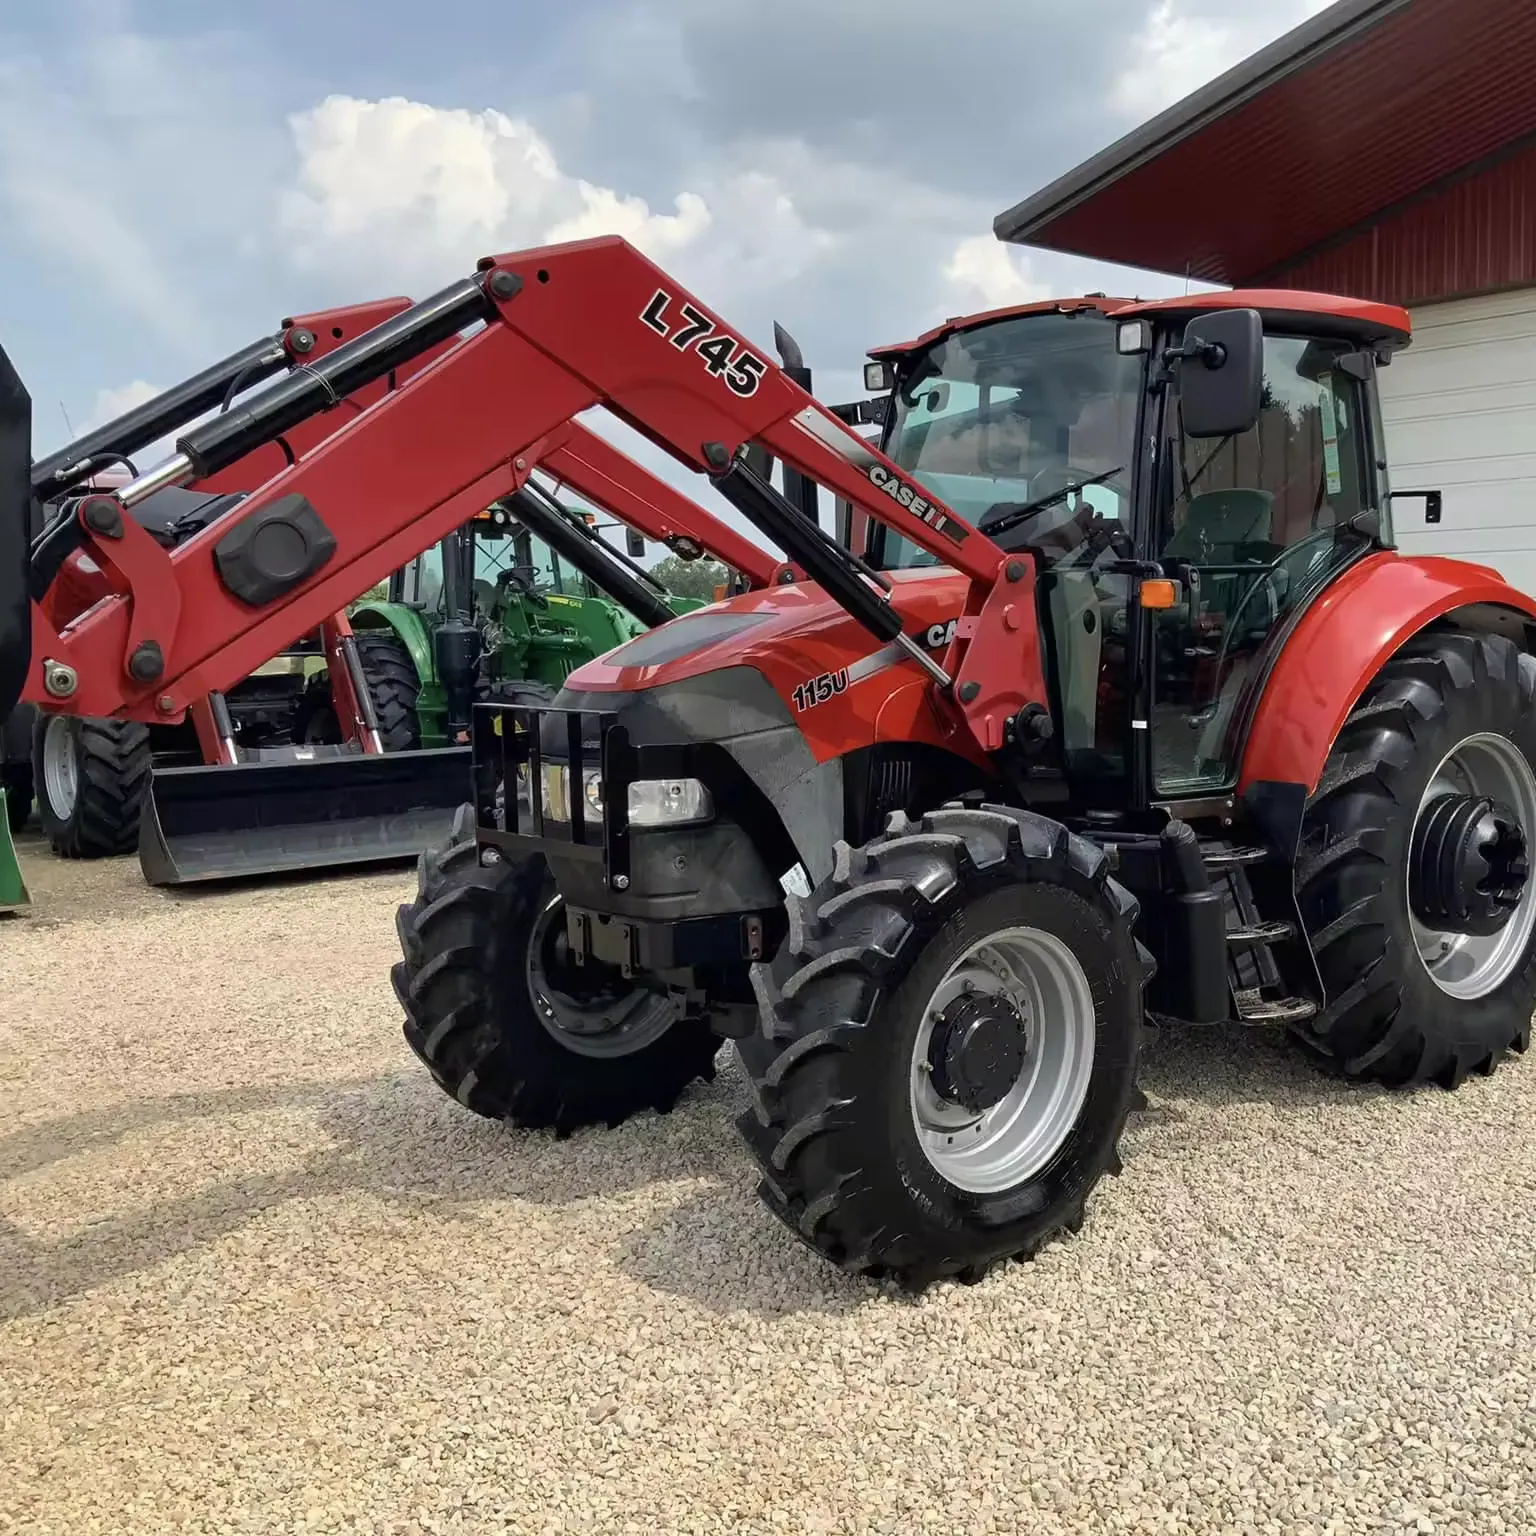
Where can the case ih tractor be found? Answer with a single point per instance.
(1125, 708)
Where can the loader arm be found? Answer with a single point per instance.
(298, 341)
(566, 328)
(301, 342)
(602, 473)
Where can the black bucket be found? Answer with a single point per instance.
(286, 814)
(16, 519)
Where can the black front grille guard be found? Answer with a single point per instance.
(507, 737)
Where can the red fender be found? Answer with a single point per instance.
(1341, 643)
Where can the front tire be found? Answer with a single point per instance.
(90, 777)
(895, 1151)
(506, 1025)
(1450, 719)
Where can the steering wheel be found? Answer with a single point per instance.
(1053, 534)
(523, 577)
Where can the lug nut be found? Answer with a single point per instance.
(621, 882)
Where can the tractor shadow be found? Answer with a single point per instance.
(396, 1138)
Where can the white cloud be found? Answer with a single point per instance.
(117, 400)
(986, 274)
(1179, 49)
(420, 191)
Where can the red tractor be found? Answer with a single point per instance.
(1121, 705)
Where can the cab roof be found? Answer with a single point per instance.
(1383, 325)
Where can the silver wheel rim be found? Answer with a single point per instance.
(61, 773)
(1017, 1137)
(1468, 966)
(627, 1024)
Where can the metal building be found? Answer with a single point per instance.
(1384, 149)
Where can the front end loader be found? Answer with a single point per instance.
(462, 623)
(1126, 708)
(91, 775)
(306, 726)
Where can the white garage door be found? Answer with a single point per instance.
(1460, 409)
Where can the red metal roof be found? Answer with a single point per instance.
(1340, 126)
(1371, 321)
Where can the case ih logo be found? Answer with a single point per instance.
(914, 501)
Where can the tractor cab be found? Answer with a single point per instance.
(501, 560)
(1180, 516)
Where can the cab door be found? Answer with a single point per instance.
(1254, 525)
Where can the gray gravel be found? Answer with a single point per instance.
(257, 1275)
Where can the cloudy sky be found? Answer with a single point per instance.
(177, 175)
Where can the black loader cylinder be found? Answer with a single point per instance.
(173, 408)
(457, 643)
(315, 387)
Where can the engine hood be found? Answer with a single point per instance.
(788, 633)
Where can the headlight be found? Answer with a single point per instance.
(652, 802)
(668, 802)
(557, 792)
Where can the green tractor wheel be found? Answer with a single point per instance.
(393, 685)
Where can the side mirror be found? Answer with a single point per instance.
(634, 543)
(1221, 373)
(879, 378)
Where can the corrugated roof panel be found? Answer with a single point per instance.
(1476, 236)
(1435, 87)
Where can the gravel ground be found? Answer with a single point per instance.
(257, 1275)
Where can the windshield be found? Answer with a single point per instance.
(1013, 411)
(496, 553)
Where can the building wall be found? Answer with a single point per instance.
(1474, 236)
(1460, 410)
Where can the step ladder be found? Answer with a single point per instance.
(1258, 989)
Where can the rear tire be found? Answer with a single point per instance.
(90, 778)
(393, 685)
(840, 1128)
(1445, 698)
(467, 987)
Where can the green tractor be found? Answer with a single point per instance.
(493, 590)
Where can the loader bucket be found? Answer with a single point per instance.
(15, 535)
(13, 889)
(285, 814)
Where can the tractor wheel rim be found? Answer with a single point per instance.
(607, 1017)
(1462, 965)
(61, 775)
(1021, 974)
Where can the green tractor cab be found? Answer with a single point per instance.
(537, 617)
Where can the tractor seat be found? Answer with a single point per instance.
(1217, 522)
